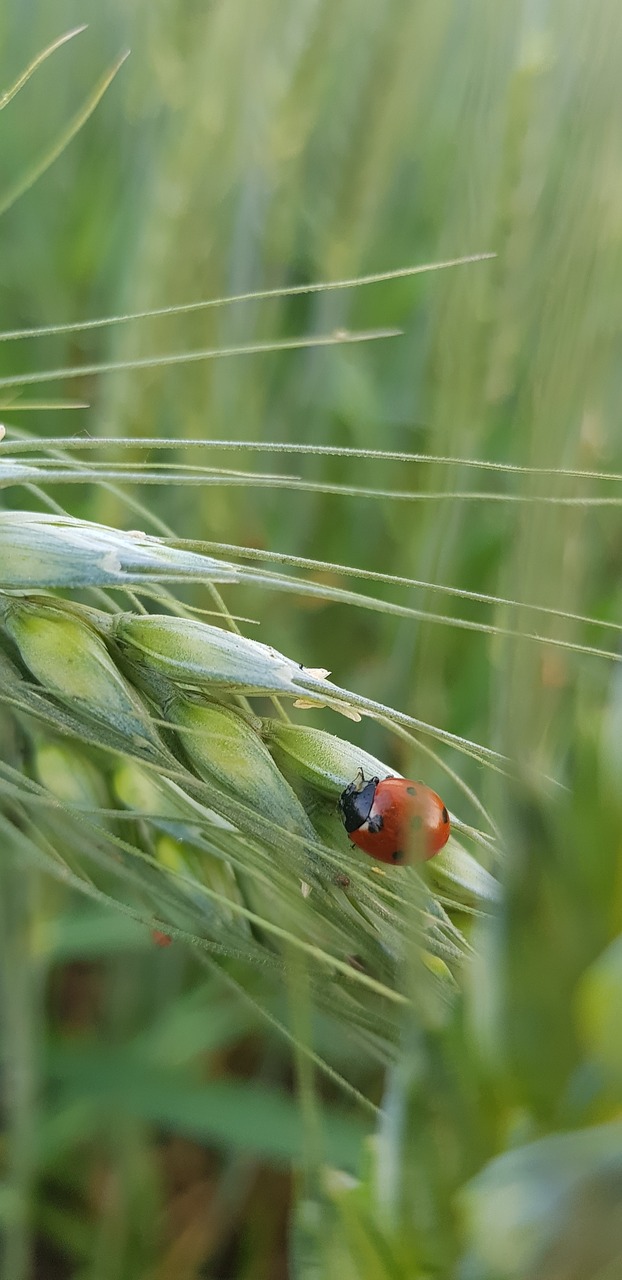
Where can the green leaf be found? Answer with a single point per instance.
(551, 1210)
(599, 1003)
(228, 1114)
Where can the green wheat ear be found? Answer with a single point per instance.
(236, 840)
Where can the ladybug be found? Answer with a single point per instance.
(395, 820)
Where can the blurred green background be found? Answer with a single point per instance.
(259, 145)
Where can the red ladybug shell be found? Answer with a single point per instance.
(396, 820)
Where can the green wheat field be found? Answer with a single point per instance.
(311, 461)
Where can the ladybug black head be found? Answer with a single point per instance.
(356, 801)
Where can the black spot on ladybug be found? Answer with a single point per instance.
(415, 822)
(445, 815)
(376, 823)
(412, 791)
(397, 855)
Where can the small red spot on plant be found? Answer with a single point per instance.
(161, 939)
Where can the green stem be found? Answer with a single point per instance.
(20, 1015)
